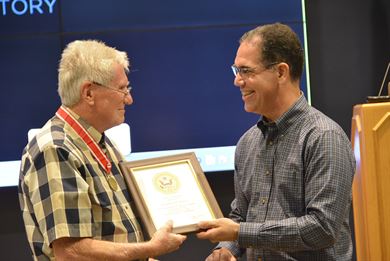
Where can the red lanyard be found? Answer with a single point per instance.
(84, 135)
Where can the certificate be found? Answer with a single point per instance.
(170, 188)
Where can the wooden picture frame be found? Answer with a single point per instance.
(170, 188)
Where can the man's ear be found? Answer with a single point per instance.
(283, 70)
(87, 93)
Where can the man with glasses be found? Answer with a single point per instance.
(73, 196)
(293, 169)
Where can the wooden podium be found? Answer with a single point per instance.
(371, 187)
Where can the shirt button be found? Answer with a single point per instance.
(270, 142)
(263, 201)
(267, 173)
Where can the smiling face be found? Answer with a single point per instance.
(258, 84)
(110, 104)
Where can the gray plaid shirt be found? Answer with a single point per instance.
(293, 181)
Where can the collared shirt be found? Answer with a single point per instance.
(293, 180)
(64, 192)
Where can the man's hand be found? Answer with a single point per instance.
(221, 254)
(222, 229)
(164, 241)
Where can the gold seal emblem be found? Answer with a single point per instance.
(166, 182)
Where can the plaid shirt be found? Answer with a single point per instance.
(64, 192)
(293, 180)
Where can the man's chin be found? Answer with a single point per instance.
(248, 109)
(119, 122)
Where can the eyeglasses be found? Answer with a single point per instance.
(125, 90)
(247, 71)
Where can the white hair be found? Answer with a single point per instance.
(86, 60)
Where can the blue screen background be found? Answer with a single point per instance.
(180, 51)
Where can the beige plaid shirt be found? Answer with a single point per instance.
(64, 192)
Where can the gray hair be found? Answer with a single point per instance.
(86, 60)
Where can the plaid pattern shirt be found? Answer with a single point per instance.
(64, 192)
(293, 181)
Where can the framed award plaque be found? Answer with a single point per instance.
(170, 188)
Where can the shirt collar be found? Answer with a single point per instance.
(95, 134)
(293, 114)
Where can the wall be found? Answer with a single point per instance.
(349, 48)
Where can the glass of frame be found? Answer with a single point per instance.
(170, 188)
